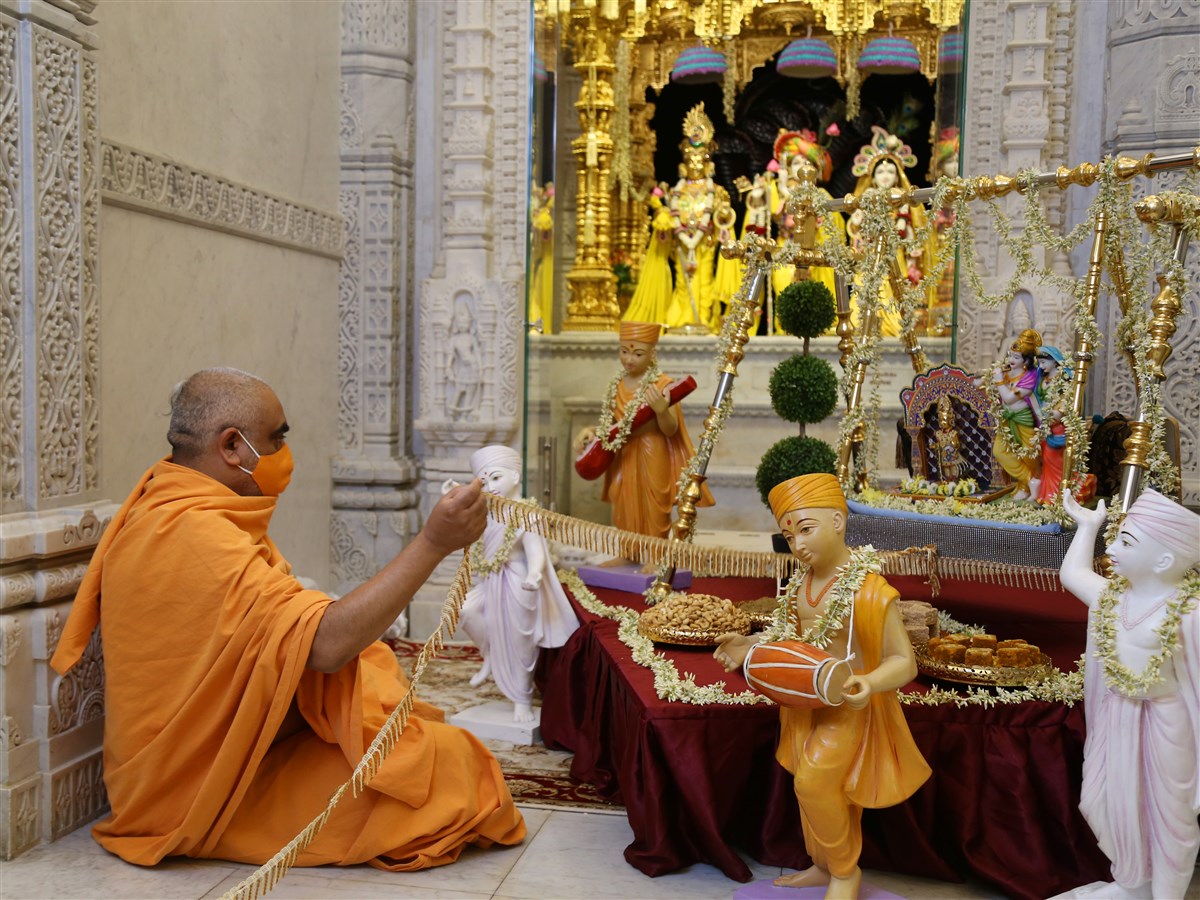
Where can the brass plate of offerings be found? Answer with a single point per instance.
(693, 620)
(987, 676)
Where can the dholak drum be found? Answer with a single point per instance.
(793, 673)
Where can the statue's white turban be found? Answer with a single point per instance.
(1166, 523)
(495, 457)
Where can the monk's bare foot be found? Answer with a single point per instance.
(844, 888)
(523, 712)
(813, 876)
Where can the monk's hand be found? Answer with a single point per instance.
(532, 582)
(585, 437)
(732, 650)
(856, 692)
(660, 402)
(458, 519)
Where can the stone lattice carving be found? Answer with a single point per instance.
(24, 820)
(10, 733)
(10, 639)
(1178, 93)
(78, 696)
(153, 184)
(373, 24)
(1136, 14)
(349, 329)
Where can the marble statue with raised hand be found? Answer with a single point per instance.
(1141, 791)
(850, 748)
(516, 604)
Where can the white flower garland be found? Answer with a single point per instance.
(1010, 513)
(964, 487)
(483, 566)
(1119, 676)
(669, 685)
(626, 424)
(863, 561)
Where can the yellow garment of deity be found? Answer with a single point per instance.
(700, 282)
(641, 480)
(841, 759)
(653, 292)
(541, 273)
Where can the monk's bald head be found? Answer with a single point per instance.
(210, 401)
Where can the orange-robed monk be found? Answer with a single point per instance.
(860, 753)
(236, 700)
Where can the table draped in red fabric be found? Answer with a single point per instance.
(698, 781)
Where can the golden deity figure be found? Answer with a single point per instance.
(946, 444)
(881, 164)
(696, 203)
(792, 150)
(541, 257)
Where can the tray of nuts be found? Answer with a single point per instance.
(695, 620)
(760, 611)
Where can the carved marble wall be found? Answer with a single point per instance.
(1153, 104)
(49, 414)
(473, 181)
(374, 474)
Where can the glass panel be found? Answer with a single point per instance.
(568, 369)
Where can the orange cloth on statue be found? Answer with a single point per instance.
(218, 742)
(869, 753)
(641, 481)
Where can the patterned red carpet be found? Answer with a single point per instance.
(535, 775)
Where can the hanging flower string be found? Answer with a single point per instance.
(483, 566)
(1118, 676)
(647, 383)
(850, 577)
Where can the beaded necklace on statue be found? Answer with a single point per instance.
(863, 561)
(1117, 675)
(484, 566)
(808, 597)
(648, 381)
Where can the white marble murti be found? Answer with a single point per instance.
(494, 721)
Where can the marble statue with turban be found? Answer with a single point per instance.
(1141, 760)
(516, 605)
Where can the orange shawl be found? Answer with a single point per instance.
(218, 741)
(888, 768)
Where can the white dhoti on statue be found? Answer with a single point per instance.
(1140, 790)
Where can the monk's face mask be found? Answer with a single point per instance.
(273, 472)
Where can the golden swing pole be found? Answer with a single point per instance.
(757, 253)
(1166, 307)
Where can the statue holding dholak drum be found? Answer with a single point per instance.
(833, 660)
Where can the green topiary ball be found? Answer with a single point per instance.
(804, 389)
(805, 309)
(791, 457)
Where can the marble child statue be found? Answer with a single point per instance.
(1141, 791)
(857, 752)
(516, 605)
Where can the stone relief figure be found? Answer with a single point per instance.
(516, 605)
(1141, 789)
(464, 361)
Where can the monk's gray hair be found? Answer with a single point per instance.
(208, 402)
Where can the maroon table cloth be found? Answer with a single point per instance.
(698, 781)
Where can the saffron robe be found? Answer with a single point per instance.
(641, 480)
(843, 759)
(218, 742)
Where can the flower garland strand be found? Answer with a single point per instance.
(1118, 676)
(483, 566)
(863, 561)
(649, 380)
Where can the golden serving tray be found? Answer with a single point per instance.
(686, 636)
(989, 676)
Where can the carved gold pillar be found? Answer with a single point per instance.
(592, 301)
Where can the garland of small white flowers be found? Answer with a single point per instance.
(626, 423)
(1009, 513)
(963, 487)
(863, 561)
(1119, 676)
(481, 565)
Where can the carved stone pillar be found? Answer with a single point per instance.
(50, 727)
(1152, 103)
(375, 501)
(471, 307)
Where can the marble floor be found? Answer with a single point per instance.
(567, 854)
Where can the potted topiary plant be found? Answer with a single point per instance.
(803, 388)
